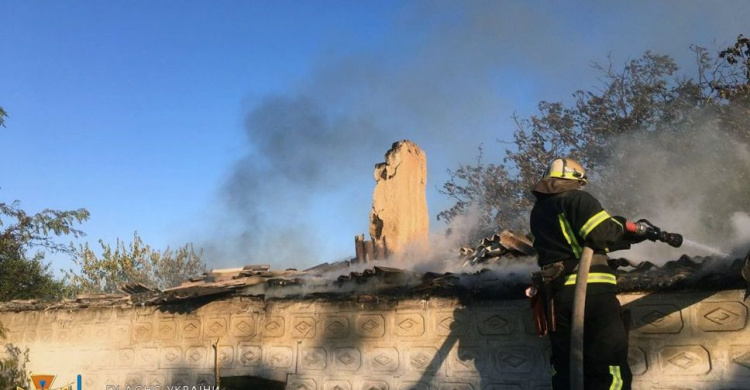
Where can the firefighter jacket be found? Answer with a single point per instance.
(565, 219)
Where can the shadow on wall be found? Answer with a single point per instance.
(485, 359)
(464, 355)
(191, 305)
(690, 339)
(250, 382)
(339, 352)
(282, 345)
(456, 343)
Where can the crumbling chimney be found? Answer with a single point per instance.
(399, 203)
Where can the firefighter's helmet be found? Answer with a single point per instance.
(566, 168)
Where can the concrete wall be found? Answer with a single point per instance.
(686, 341)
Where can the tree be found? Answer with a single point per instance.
(13, 365)
(24, 275)
(132, 262)
(485, 188)
(645, 102)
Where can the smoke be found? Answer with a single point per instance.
(741, 227)
(692, 181)
(446, 75)
(323, 136)
(297, 151)
(441, 256)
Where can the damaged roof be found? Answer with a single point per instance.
(487, 283)
(498, 268)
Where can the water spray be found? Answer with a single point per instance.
(705, 248)
(646, 229)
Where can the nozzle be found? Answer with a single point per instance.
(653, 233)
(673, 239)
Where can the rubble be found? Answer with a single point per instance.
(339, 281)
(135, 288)
(686, 273)
(81, 301)
(497, 247)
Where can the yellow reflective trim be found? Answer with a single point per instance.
(618, 222)
(563, 175)
(622, 228)
(569, 236)
(616, 378)
(594, 277)
(593, 222)
(552, 370)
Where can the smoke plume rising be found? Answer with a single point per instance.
(692, 182)
(446, 75)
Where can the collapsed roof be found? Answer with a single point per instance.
(499, 268)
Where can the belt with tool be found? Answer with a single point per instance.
(541, 291)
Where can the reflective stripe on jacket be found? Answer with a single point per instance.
(562, 224)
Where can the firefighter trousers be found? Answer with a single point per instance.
(605, 341)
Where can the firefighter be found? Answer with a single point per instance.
(563, 221)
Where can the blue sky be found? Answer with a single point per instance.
(251, 127)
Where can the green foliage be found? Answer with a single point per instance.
(646, 100)
(25, 238)
(132, 262)
(13, 366)
(484, 189)
(24, 275)
(734, 77)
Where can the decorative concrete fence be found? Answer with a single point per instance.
(678, 340)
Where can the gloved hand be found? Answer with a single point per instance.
(634, 233)
(645, 230)
(652, 234)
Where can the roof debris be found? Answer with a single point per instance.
(496, 248)
(135, 288)
(501, 277)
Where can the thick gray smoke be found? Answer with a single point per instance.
(447, 76)
(297, 152)
(692, 182)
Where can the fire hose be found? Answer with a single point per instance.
(579, 308)
(642, 228)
